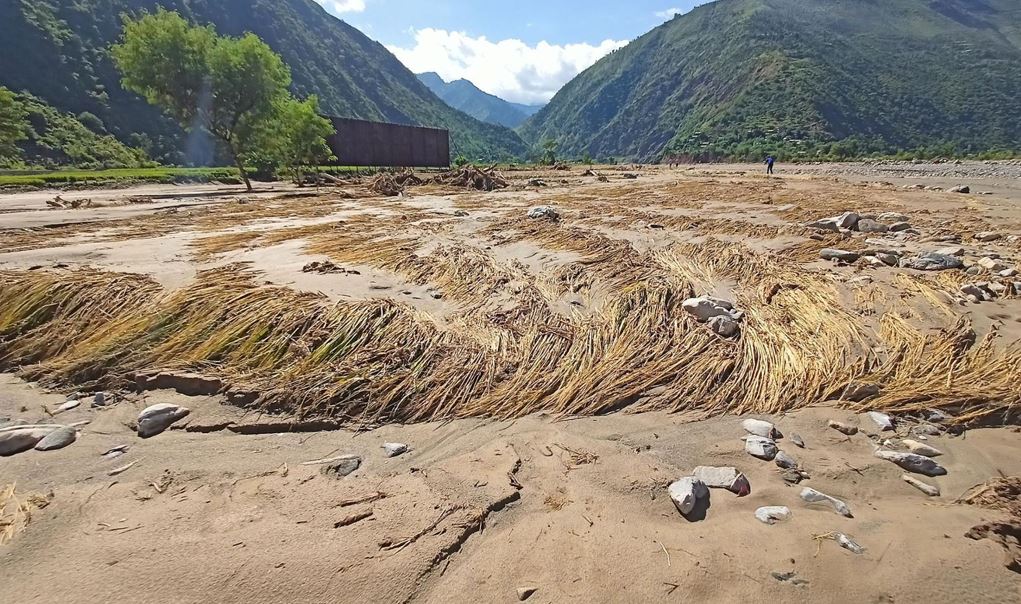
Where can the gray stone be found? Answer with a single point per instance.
(342, 466)
(866, 225)
(785, 461)
(99, 399)
(859, 391)
(763, 448)
(847, 220)
(773, 514)
(544, 212)
(797, 440)
(987, 236)
(1008, 273)
(705, 308)
(826, 224)
(888, 259)
(723, 478)
(898, 227)
(838, 255)
(159, 417)
(58, 439)
(849, 544)
(952, 251)
(892, 217)
(931, 261)
(72, 404)
(686, 492)
(961, 189)
(394, 449)
(843, 428)
(912, 462)
(725, 327)
(15, 439)
(812, 496)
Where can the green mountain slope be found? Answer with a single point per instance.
(802, 78)
(467, 97)
(58, 51)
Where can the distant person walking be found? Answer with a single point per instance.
(769, 164)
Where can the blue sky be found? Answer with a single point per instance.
(523, 50)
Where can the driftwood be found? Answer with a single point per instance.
(472, 177)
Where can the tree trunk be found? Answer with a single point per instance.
(241, 170)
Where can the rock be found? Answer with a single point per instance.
(960, 189)
(758, 427)
(394, 449)
(812, 496)
(785, 461)
(928, 489)
(186, 383)
(882, 420)
(931, 261)
(912, 462)
(847, 220)
(773, 514)
(15, 439)
(974, 270)
(898, 227)
(991, 264)
(892, 217)
(793, 475)
(888, 259)
(705, 308)
(535, 182)
(686, 492)
(843, 428)
(952, 251)
(763, 448)
(797, 440)
(159, 417)
(115, 452)
(826, 224)
(973, 290)
(839, 255)
(873, 261)
(849, 544)
(72, 404)
(544, 212)
(723, 478)
(725, 327)
(986, 236)
(341, 466)
(921, 448)
(58, 439)
(99, 399)
(859, 391)
(866, 225)
(460, 213)
(1008, 273)
(526, 592)
(926, 430)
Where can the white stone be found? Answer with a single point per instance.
(848, 543)
(72, 404)
(394, 449)
(912, 462)
(847, 220)
(725, 327)
(763, 448)
(758, 427)
(812, 496)
(157, 418)
(546, 212)
(928, 489)
(921, 448)
(992, 264)
(882, 420)
(686, 492)
(705, 307)
(723, 478)
(773, 514)
(15, 439)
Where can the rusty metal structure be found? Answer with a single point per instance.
(378, 144)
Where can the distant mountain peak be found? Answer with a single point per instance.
(464, 95)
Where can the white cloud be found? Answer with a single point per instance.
(510, 69)
(339, 7)
(669, 13)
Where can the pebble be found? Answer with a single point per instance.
(546, 212)
(928, 489)
(926, 430)
(342, 466)
(843, 428)
(72, 404)
(773, 514)
(839, 255)
(991, 264)
(758, 427)
(99, 400)
(812, 496)
(763, 448)
(526, 592)
(686, 492)
(921, 448)
(395, 449)
(849, 544)
(912, 462)
(883, 421)
(157, 418)
(797, 440)
(723, 478)
(785, 461)
(58, 439)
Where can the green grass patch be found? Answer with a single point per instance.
(82, 178)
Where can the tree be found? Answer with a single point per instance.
(586, 159)
(297, 136)
(549, 152)
(13, 125)
(229, 87)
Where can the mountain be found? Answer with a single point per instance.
(57, 50)
(465, 96)
(801, 78)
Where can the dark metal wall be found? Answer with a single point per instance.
(362, 143)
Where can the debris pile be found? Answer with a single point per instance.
(60, 203)
(472, 177)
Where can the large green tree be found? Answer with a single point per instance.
(13, 125)
(229, 87)
(298, 136)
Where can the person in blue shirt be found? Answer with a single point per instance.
(769, 164)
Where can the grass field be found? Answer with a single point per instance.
(59, 178)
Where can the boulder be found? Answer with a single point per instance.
(773, 514)
(686, 492)
(866, 225)
(758, 427)
(847, 220)
(763, 448)
(931, 261)
(544, 213)
(912, 462)
(15, 439)
(58, 439)
(839, 255)
(157, 418)
(812, 496)
(394, 449)
(826, 224)
(723, 478)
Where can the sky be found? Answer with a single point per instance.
(521, 50)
